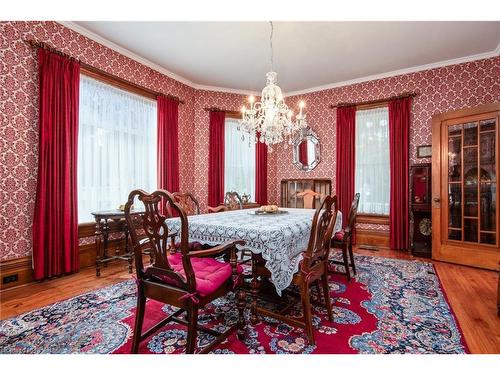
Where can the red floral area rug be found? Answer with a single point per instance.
(392, 306)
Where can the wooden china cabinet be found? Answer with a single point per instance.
(465, 167)
(291, 187)
(420, 210)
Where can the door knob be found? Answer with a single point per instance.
(436, 199)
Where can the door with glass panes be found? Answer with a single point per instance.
(465, 187)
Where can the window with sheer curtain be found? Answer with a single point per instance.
(116, 146)
(372, 160)
(239, 160)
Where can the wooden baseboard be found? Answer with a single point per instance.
(22, 267)
(372, 238)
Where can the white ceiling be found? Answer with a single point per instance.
(307, 55)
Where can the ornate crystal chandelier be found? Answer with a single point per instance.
(271, 119)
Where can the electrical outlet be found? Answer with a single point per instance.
(10, 279)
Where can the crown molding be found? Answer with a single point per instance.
(419, 68)
(124, 51)
(105, 42)
(227, 90)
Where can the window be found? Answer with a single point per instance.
(372, 160)
(116, 146)
(239, 160)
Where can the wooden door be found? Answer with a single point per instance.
(465, 196)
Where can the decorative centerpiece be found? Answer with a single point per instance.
(268, 210)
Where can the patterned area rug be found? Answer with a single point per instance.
(393, 306)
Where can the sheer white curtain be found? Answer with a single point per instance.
(372, 160)
(116, 146)
(239, 160)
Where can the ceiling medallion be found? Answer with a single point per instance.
(270, 119)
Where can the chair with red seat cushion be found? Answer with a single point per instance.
(343, 240)
(187, 279)
(209, 273)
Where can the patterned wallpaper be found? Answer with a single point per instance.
(227, 101)
(441, 89)
(19, 117)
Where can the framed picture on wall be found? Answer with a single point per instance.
(424, 151)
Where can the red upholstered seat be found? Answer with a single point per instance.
(210, 274)
(339, 236)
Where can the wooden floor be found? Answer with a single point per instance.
(471, 292)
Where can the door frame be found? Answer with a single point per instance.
(473, 255)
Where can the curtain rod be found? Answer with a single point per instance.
(377, 101)
(93, 70)
(216, 109)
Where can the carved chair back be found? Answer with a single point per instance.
(233, 201)
(157, 209)
(353, 212)
(321, 233)
(188, 203)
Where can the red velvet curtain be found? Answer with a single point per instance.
(399, 130)
(216, 158)
(303, 153)
(261, 173)
(55, 220)
(346, 157)
(168, 144)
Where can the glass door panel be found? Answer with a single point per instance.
(488, 175)
(472, 182)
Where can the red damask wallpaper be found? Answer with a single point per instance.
(19, 117)
(441, 89)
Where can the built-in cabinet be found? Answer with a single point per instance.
(291, 187)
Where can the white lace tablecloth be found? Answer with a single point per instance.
(280, 238)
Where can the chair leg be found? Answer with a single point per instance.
(139, 319)
(346, 262)
(318, 290)
(306, 307)
(351, 255)
(192, 319)
(240, 304)
(326, 294)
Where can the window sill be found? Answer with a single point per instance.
(362, 218)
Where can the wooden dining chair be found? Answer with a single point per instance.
(313, 269)
(343, 241)
(232, 201)
(188, 203)
(187, 279)
(309, 196)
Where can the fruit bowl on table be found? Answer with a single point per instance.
(269, 210)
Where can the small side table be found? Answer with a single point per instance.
(102, 219)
